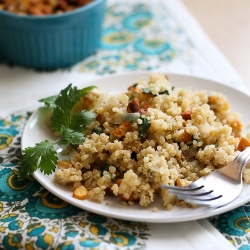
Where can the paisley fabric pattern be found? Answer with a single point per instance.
(134, 37)
(33, 218)
(137, 37)
(235, 226)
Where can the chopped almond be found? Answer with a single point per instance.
(186, 137)
(186, 115)
(122, 129)
(119, 182)
(243, 144)
(133, 106)
(80, 193)
(64, 164)
(178, 183)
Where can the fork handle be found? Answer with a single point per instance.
(232, 171)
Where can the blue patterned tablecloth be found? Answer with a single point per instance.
(136, 36)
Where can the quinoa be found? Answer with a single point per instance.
(174, 137)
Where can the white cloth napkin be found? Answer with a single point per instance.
(192, 235)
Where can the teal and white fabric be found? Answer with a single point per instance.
(137, 35)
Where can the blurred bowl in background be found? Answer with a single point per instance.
(51, 41)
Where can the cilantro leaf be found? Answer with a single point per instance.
(81, 120)
(49, 101)
(66, 100)
(43, 155)
(70, 137)
(86, 90)
(144, 127)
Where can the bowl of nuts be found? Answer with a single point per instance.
(49, 34)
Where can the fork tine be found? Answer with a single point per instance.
(201, 202)
(212, 202)
(191, 197)
(189, 194)
(182, 189)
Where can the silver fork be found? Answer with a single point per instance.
(218, 188)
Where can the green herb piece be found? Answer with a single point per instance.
(43, 155)
(112, 178)
(148, 91)
(61, 116)
(81, 120)
(105, 167)
(165, 92)
(70, 137)
(97, 130)
(144, 127)
(86, 90)
(50, 101)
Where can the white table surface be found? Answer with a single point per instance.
(227, 24)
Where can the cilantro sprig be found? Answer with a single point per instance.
(43, 155)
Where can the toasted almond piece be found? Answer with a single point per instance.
(64, 164)
(178, 183)
(122, 129)
(186, 137)
(133, 106)
(80, 193)
(243, 144)
(186, 115)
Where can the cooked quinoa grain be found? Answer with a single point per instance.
(154, 134)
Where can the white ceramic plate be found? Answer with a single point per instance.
(36, 131)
